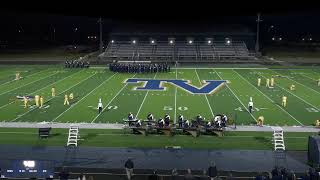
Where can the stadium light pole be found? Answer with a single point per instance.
(257, 38)
(101, 43)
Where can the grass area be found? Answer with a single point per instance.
(119, 98)
(117, 138)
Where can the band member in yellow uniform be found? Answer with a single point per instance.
(260, 121)
(272, 82)
(259, 81)
(268, 83)
(37, 99)
(53, 91)
(66, 100)
(41, 101)
(284, 101)
(292, 87)
(71, 96)
(17, 76)
(25, 101)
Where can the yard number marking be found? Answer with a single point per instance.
(310, 109)
(170, 108)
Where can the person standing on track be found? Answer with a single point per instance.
(259, 82)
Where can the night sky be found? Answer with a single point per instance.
(36, 21)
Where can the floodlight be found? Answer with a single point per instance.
(209, 42)
(302, 39)
(134, 41)
(228, 42)
(273, 39)
(280, 39)
(310, 39)
(29, 164)
(152, 41)
(171, 42)
(112, 41)
(88, 37)
(190, 41)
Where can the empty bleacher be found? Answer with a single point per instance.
(179, 51)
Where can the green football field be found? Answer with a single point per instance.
(119, 98)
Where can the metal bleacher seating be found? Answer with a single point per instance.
(179, 51)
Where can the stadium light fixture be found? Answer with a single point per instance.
(134, 41)
(190, 41)
(280, 39)
(171, 42)
(228, 41)
(302, 39)
(310, 39)
(273, 39)
(112, 41)
(152, 41)
(209, 42)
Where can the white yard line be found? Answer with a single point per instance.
(269, 98)
(144, 99)
(294, 95)
(41, 88)
(54, 97)
(308, 77)
(112, 100)
(299, 83)
(237, 97)
(175, 101)
(73, 105)
(205, 94)
(29, 83)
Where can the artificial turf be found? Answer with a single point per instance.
(119, 98)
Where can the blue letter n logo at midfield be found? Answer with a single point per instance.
(209, 86)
